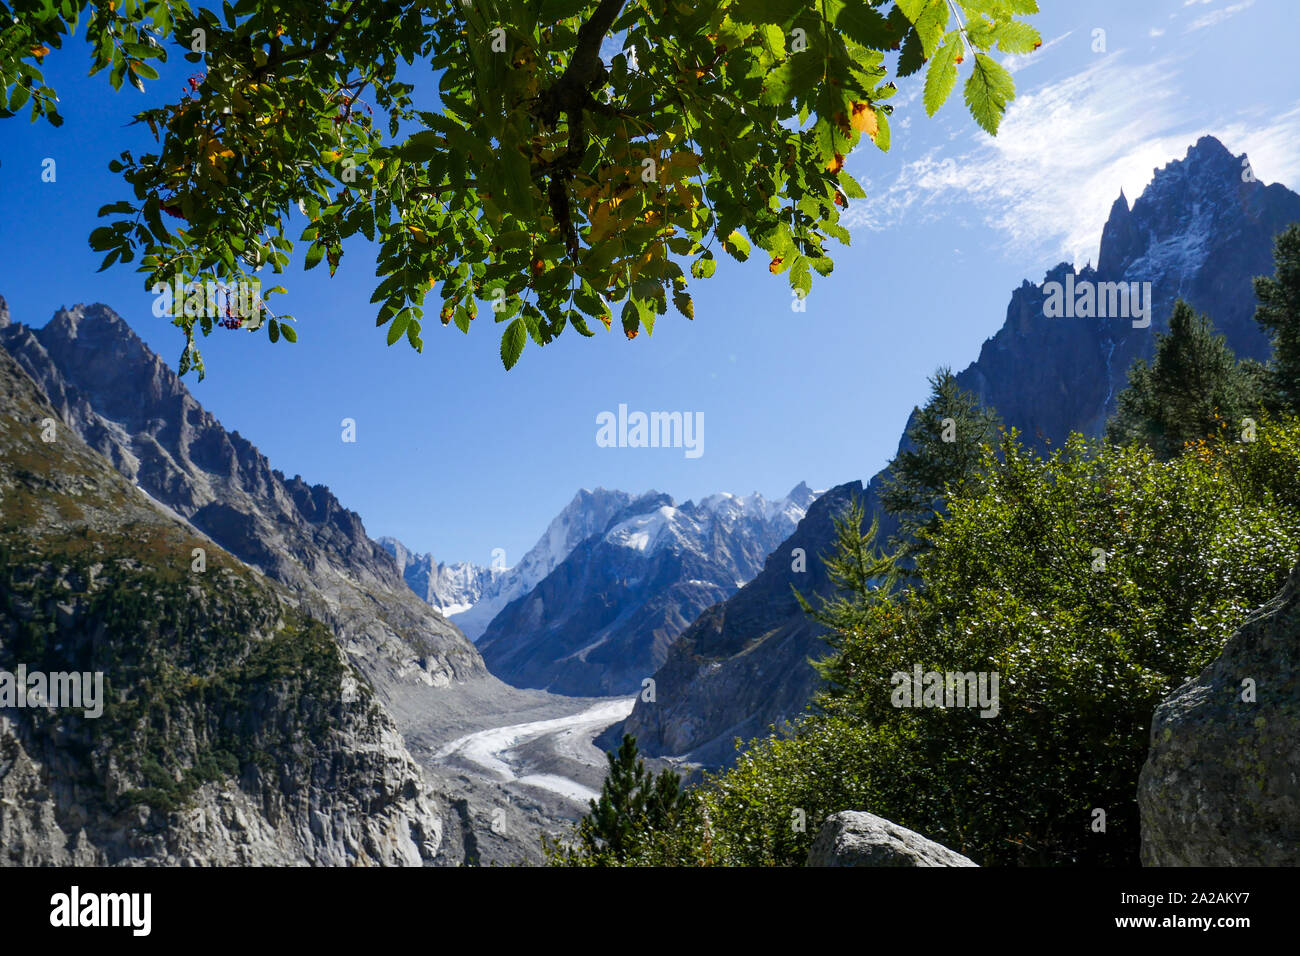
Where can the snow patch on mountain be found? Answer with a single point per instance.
(588, 513)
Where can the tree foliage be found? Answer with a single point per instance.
(1278, 313)
(635, 820)
(857, 569)
(940, 456)
(572, 159)
(1194, 388)
(1084, 649)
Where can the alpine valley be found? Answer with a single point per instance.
(284, 689)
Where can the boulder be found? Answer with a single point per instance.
(1221, 785)
(857, 838)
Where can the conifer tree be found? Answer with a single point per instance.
(1191, 389)
(941, 454)
(635, 819)
(1278, 313)
(861, 573)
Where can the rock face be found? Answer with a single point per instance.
(605, 618)
(448, 588)
(126, 403)
(109, 390)
(588, 513)
(1198, 231)
(1221, 786)
(743, 664)
(856, 838)
(233, 730)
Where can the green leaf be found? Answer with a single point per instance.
(988, 91)
(765, 11)
(518, 180)
(737, 245)
(881, 139)
(861, 22)
(1015, 37)
(631, 318)
(930, 25)
(704, 266)
(800, 74)
(684, 304)
(315, 252)
(941, 77)
(398, 327)
(913, 56)
(512, 343)
(422, 146)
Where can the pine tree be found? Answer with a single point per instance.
(635, 820)
(861, 573)
(1192, 389)
(941, 455)
(1278, 313)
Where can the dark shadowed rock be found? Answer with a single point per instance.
(857, 838)
(1221, 786)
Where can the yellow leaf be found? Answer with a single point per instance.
(864, 119)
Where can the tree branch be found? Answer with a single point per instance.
(570, 95)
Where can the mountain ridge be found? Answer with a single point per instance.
(1200, 230)
(604, 618)
(128, 405)
(213, 678)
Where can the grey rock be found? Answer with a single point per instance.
(589, 512)
(355, 796)
(1221, 785)
(168, 456)
(604, 619)
(129, 406)
(858, 838)
(450, 588)
(742, 665)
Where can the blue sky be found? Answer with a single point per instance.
(457, 457)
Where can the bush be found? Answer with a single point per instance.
(1092, 583)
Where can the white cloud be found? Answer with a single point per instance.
(1218, 16)
(1045, 184)
(1156, 32)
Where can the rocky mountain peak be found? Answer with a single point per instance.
(1120, 238)
(1200, 230)
(127, 404)
(801, 495)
